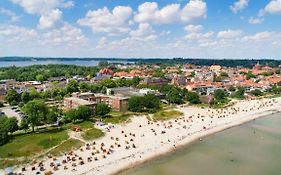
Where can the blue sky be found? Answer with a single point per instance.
(126, 28)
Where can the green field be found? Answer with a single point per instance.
(166, 115)
(33, 143)
(92, 134)
(116, 117)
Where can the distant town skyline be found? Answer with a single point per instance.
(124, 28)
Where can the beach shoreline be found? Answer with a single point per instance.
(141, 140)
(189, 142)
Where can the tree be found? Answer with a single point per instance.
(1, 104)
(250, 75)
(151, 102)
(136, 104)
(108, 83)
(4, 130)
(84, 112)
(174, 96)
(193, 98)
(232, 88)
(84, 87)
(71, 115)
(12, 124)
(256, 92)
(34, 94)
(224, 74)
(102, 109)
(135, 81)
(158, 73)
(80, 113)
(12, 97)
(25, 97)
(40, 77)
(239, 93)
(24, 125)
(217, 78)
(72, 86)
(52, 116)
(220, 95)
(103, 64)
(36, 111)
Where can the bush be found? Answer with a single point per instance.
(256, 92)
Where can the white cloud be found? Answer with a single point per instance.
(195, 9)
(102, 20)
(13, 33)
(193, 28)
(149, 12)
(66, 35)
(199, 36)
(42, 6)
(229, 34)
(253, 20)
(9, 13)
(273, 7)
(47, 9)
(239, 5)
(144, 32)
(48, 21)
(261, 36)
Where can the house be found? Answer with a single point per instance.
(7, 84)
(106, 71)
(154, 81)
(179, 80)
(215, 68)
(2, 94)
(119, 103)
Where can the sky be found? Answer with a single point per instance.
(236, 29)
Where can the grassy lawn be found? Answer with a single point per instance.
(92, 134)
(116, 117)
(33, 143)
(66, 147)
(84, 125)
(166, 115)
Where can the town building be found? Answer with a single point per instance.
(74, 102)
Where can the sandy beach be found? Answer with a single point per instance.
(130, 144)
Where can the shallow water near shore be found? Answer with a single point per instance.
(253, 148)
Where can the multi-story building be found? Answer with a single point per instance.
(119, 103)
(74, 102)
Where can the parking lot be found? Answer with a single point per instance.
(12, 112)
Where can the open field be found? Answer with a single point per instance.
(116, 117)
(92, 134)
(166, 115)
(32, 143)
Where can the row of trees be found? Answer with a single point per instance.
(147, 103)
(86, 113)
(43, 72)
(177, 95)
(56, 92)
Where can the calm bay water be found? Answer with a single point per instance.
(29, 63)
(251, 149)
